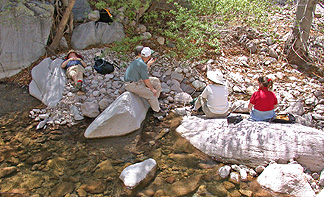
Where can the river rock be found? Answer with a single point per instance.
(62, 189)
(7, 171)
(25, 29)
(138, 173)
(240, 106)
(255, 143)
(105, 169)
(182, 97)
(123, 116)
(91, 33)
(224, 171)
(90, 109)
(287, 179)
(94, 186)
(184, 187)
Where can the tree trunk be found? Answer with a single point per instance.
(60, 30)
(296, 46)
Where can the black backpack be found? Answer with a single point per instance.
(103, 67)
(105, 16)
(287, 118)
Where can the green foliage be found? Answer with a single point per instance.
(191, 25)
(127, 44)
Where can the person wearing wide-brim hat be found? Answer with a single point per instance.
(74, 65)
(214, 99)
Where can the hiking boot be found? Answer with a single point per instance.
(83, 89)
(79, 85)
(74, 90)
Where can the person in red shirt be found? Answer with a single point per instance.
(263, 101)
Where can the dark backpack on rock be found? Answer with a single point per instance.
(103, 67)
(234, 119)
(286, 119)
(105, 16)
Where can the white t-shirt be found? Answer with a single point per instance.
(216, 96)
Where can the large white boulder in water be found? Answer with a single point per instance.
(255, 143)
(123, 116)
(48, 81)
(286, 179)
(138, 173)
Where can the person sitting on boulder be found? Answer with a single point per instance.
(138, 81)
(74, 65)
(263, 101)
(214, 99)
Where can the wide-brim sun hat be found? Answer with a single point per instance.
(71, 51)
(216, 77)
(146, 52)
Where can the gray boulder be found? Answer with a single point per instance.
(255, 143)
(90, 109)
(48, 81)
(80, 9)
(91, 33)
(286, 179)
(25, 28)
(123, 116)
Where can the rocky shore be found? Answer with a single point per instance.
(44, 153)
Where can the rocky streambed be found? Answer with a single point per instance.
(61, 162)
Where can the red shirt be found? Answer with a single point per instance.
(263, 99)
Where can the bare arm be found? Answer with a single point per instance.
(149, 85)
(150, 62)
(250, 107)
(83, 63)
(63, 65)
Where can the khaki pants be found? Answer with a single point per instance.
(142, 90)
(202, 102)
(75, 72)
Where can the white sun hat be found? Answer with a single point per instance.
(146, 52)
(216, 76)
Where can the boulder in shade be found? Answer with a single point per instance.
(123, 116)
(48, 81)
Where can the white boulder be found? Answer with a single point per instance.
(137, 173)
(123, 116)
(286, 179)
(48, 81)
(255, 143)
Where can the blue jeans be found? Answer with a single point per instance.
(261, 115)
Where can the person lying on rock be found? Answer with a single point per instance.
(74, 65)
(214, 99)
(137, 79)
(263, 101)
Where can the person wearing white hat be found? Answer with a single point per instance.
(214, 99)
(137, 79)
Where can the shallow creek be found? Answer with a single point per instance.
(59, 161)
